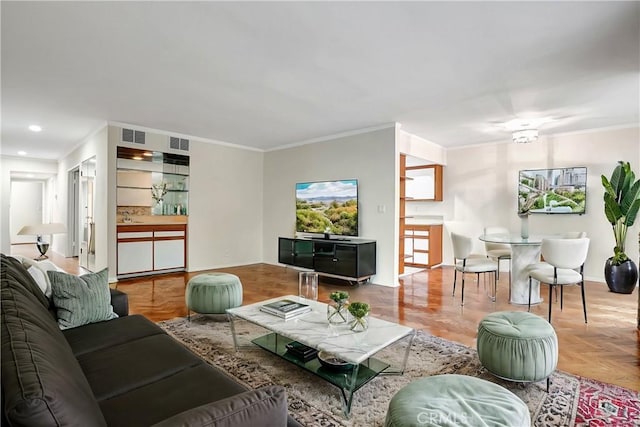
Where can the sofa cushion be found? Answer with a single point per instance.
(42, 383)
(170, 396)
(97, 336)
(119, 302)
(14, 271)
(81, 299)
(118, 369)
(266, 406)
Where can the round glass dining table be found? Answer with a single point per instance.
(524, 252)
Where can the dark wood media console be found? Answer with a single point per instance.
(349, 259)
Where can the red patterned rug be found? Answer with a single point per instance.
(601, 404)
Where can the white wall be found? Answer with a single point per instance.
(480, 188)
(94, 145)
(418, 147)
(370, 158)
(225, 206)
(9, 165)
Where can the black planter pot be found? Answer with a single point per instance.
(621, 278)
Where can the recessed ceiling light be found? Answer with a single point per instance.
(137, 158)
(22, 153)
(147, 154)
(35, 128)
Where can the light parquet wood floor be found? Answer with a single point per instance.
(606, 349)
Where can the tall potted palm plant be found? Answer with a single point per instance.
(621, 205)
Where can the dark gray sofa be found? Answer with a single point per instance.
(122, 372)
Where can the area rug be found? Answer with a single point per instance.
(314, 402)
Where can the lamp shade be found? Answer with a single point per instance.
(43, 229)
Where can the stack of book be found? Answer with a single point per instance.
(301, 351)
(286, 308)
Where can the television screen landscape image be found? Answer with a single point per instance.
(327, 207)
(553, 191)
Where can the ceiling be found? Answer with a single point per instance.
(266, 75)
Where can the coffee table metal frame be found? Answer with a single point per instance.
(313, 329)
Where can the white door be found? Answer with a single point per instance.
(87, 257)
(25, 208)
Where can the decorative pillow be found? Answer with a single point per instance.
(40, 278)
(44, 266)
(81, 299)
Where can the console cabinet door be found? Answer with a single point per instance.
(135, 257)
(168, 254)
(295, 252)
(345, 261)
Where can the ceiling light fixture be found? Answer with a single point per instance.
(525, 136)
(35, 128)
(22, 153)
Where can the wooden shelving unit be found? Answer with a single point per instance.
(420, 244)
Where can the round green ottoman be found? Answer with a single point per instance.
(518, 346)
(456, 400)
(213, 293)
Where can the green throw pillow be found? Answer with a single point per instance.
(81, 299)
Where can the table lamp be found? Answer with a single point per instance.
(40, 230)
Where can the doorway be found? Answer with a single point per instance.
(87, 257)
(73, 226)
(25, 208)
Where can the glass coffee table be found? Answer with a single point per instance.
(312, 329)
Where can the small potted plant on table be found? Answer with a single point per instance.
(337, 310)
(360, 313)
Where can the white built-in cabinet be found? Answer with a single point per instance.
(148, 249)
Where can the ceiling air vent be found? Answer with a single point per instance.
(139, 137)
(127, 135)
(134, 136)
(178, 143)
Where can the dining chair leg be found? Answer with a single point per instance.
(584, 302)
(528, 309)
(550, 300)
(478, 279)
(495, 287)
(462, 299)
(455, 275)
(509, 279)
(548, 382)
(561, 297)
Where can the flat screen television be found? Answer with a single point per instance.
(553, 191)
(328, 207)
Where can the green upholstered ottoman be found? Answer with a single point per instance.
(518, 346)
(213, 293)
(456, 400)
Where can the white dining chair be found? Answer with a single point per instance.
(499, 251)
(466, 262)
(564, 259)
(543, 264)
